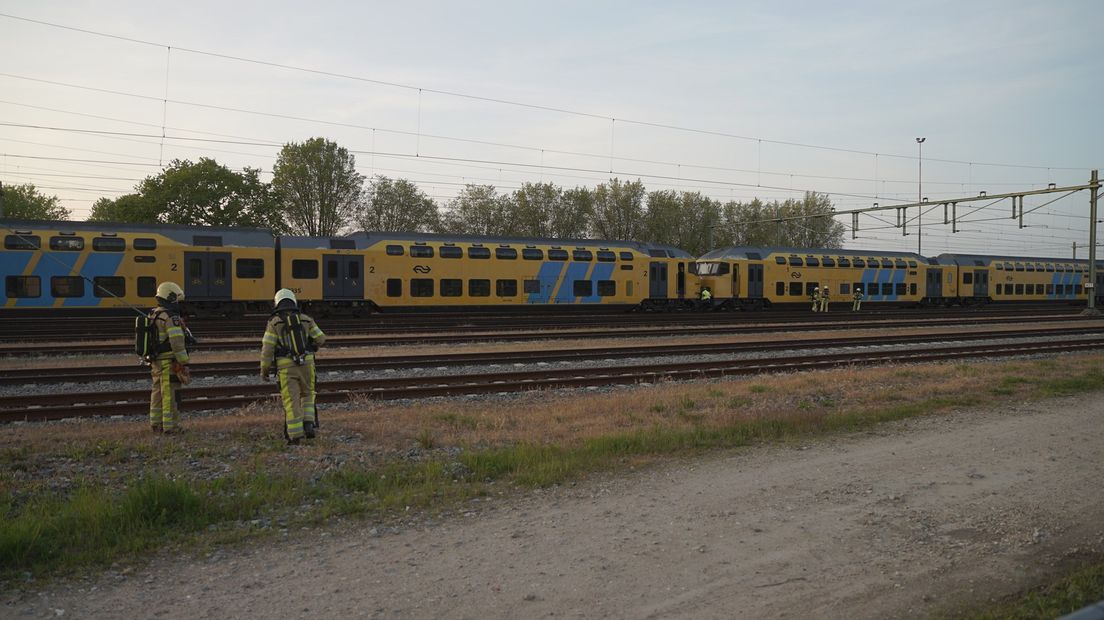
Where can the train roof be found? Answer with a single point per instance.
(757, 253)
(987, 259)
(227, 235)
(366, 239)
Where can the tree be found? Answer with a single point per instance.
(683, 219)
(478, 210)
(397, 206)
(131, 208)
(805, 223)
(25, 202)
(546, 210)
(618, 210)
(318, 187)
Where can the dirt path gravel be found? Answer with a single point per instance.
(915, 517)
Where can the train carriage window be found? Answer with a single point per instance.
(421, 287)
(394, 287)
(421, 251)
(505, 253)
(812, 262)
(452, 287)
(899, 264)
(195, 268)
(912, 264)
(23, 286)
(145, 259)
(1008, 267)
(999, 266)
(779, 288)
(828, 261)
(147, 286)
(354, 270)
(605, 256)
(781, 260)
(871, 288)
(1030, 267)
(582, 255)
(795, 261)
(858, 262)
(901, 287)
(583, 288)
(532, 254)
(967, 278)
(249, 268)
(626, 267)
(22, 242)
(450, 251)
(607, 288)
(479, 288)
(394, 250)
(142, 243)
(887, 288)
(474, 252)
(1077, 289)
(999, 289)
(66, 244)
(859, 286)
(506, 288)
(531, 286)
(109, 244)
(912, 288)
(1050, 267)
(1019, 266)
(844, 262)
(557, 254)
(845, 289)
(626, 255)
(342, 244)
(754, 256)
(1019, 289)
(67, 286)
(1050, 289)
(810, 286)
(204, 241)
(304, 269)
(795, 289)
(109, 286)
(220, 269)
(331, 270)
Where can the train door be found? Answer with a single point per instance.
(754, 282)
(934, 287)
(657, 280)
(680, 284)
(207, 275)
(343, 276)
(981, 283)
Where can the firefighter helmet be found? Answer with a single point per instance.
(170, 292)
(283, 294)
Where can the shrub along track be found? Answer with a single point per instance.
(69, 405)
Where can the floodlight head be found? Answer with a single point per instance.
(920, 140)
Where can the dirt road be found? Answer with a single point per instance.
(912, 518)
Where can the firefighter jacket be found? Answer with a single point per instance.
(170, 336)
(274, 344)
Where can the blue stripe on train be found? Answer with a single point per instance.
(12, 264)
(104, 264)
(601, 271)
(575, 271)
(548, 275)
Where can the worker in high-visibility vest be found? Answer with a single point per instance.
(815, 297)
(857, 299)
(824, 295)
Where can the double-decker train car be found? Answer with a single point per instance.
(984, 279)
(89, 266)
(371, 271)
(757, 278)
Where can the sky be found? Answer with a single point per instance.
(736, 100)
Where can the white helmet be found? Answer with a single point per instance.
(283, 294)
(170, 292)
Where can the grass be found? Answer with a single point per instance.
(234, 472)
(1080, 588)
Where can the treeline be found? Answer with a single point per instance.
(316, 190)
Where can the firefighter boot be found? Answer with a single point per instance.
(308, 429)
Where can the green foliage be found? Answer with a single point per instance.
(478, 210)
(130, 208)
(397, 206)
(545, 210)
(683, 219)
(619, 211)
(25, 202)
(317, 186)
(805, 223)
(1081, 588)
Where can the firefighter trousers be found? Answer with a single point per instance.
(296, 394)
(163, 414)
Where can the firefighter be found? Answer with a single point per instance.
(293, 355)
(857, 297)
(824, 295)
(706, 298)
(815, 297)
(169, 369)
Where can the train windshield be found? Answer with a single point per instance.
(711, 269)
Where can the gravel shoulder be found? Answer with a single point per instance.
(914, 518)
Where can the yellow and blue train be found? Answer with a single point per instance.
(753, 278)
(86, 266)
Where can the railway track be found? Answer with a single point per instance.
(44, 329)
(83, 374)
(136, 402)
(469, 336)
